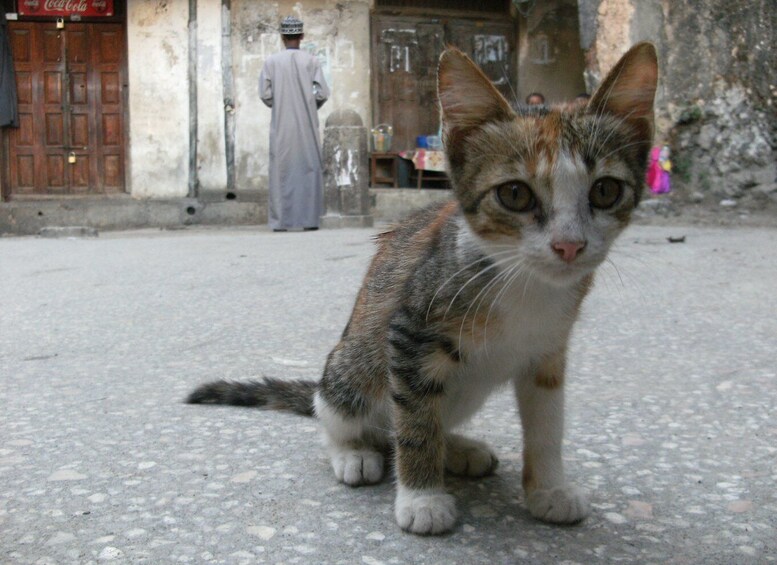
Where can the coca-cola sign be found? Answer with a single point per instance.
(66, 8)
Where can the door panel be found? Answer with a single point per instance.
(52, 44)
(25, 137)
(79, 174)
(71, 109)
(114, 172)
(110, 50)
(26, 171)
(110, 89)
(55, 171)
(54, 133)
(79, 130)
(78, 90)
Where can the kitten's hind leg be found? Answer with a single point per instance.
(541, 401)
(356, 460)
(468, 457)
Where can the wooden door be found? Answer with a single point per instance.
(405, 52)
(70, 138)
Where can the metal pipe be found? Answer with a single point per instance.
(227, 82)
(194, 183)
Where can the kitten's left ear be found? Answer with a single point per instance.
(629, 89)
(467, 97)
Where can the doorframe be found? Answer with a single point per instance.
(5, 189)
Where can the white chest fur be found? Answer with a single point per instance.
(530, 322)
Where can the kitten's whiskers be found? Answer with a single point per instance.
(476, 261)
(481, 296)
(494, 265)
(513, 273)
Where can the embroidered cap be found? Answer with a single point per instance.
(291, 26)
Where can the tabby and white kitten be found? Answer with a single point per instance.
(483, 290)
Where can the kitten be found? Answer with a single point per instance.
(483, 290)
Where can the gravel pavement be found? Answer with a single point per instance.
(672, 407)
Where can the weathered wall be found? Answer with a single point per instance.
(211, 157)
(550, 59)
(337, 32)
(157, 37)
(721, 85)
(716, 101)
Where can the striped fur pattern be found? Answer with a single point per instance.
(295, 396)
(483, 291)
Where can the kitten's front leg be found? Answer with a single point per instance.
(422, 505)
(541, 402)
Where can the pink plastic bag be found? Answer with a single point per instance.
(658, 172)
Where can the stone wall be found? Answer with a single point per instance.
(721, 86)
(716, 102)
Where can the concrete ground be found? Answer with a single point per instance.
(672, 407)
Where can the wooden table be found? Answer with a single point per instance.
(429, 165)
(384, 169)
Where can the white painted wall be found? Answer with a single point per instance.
(157, 41)
(252, 42)
(211, 159)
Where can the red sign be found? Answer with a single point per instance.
(66, 8)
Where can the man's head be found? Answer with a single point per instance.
(535, 99)
(291, 31)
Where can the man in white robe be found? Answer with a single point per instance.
(292, 84)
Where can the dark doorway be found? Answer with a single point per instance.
(405, 51)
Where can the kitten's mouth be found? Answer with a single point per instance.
(562, 273)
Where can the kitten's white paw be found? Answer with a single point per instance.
(358, 467)
(425, 511)
(469, 458)
(560, 505)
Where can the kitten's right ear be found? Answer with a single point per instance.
(467, 97)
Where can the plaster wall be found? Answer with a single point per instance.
(211, 156)
(157, 38)
(614, 32)
(336, 32)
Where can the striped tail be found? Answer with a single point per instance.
(295, 396)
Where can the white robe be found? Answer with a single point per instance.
(292, 84)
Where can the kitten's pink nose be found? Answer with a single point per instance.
(568, 250)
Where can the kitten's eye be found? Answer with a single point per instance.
(516, 196)
(605, 192)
